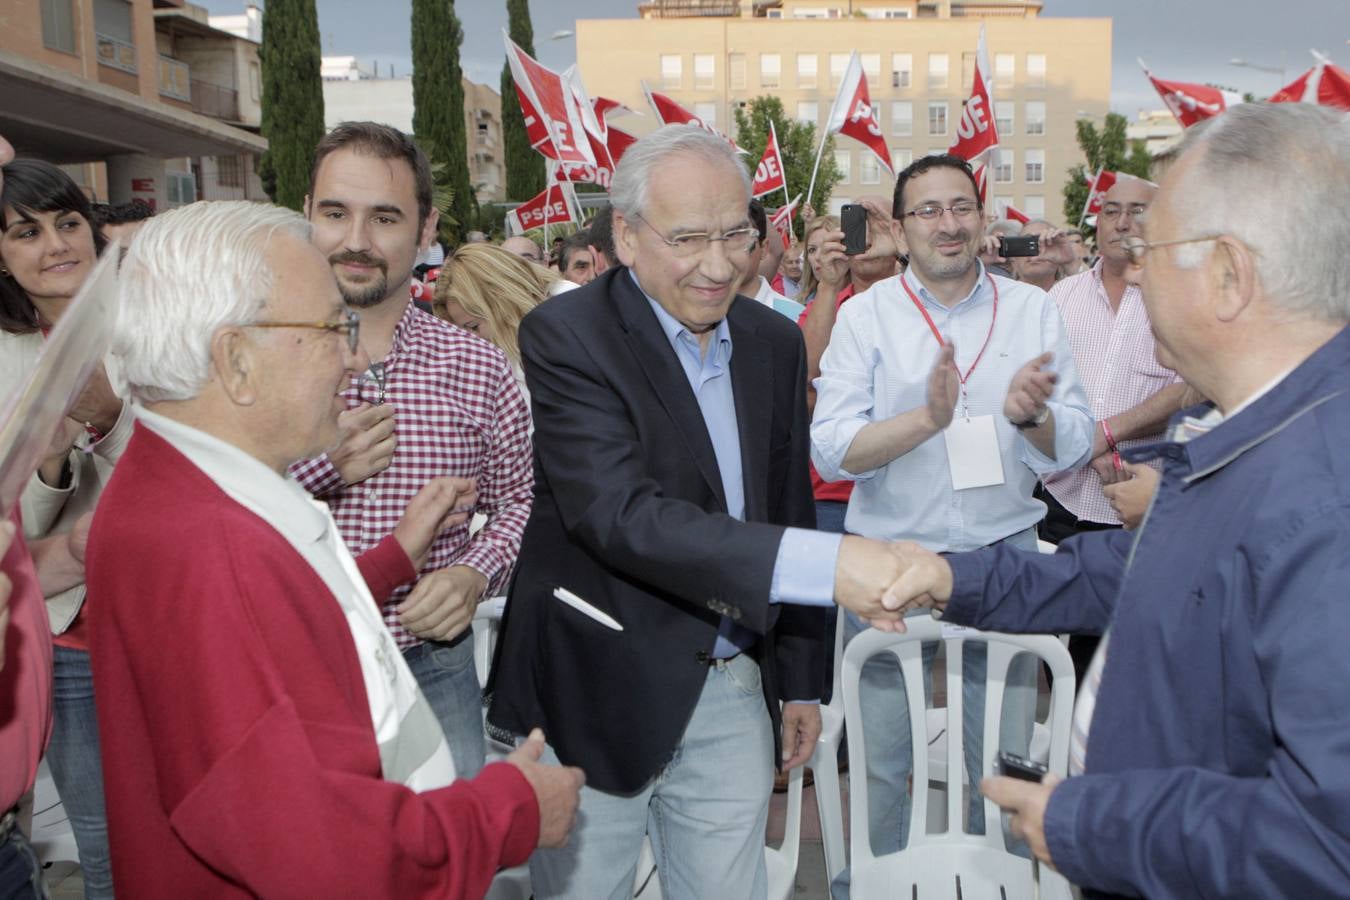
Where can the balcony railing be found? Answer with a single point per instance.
(175, 79)
(214, 100)
(116, 53)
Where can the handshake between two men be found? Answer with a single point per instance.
(881, 582)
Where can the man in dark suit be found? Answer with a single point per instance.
(671, 591)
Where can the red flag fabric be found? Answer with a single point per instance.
(1324, 84)
(1191, 103)
(854, 115)
(782, 222)
(977, 129)
(668, 112)
(769, 173)
(604, 106)
(601, 174)
(1015, 214)
(982, 182)
(552, 119)
(547, 207)
(1097, 188)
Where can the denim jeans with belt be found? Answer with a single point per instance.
(77, 768)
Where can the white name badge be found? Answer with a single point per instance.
(972, 452)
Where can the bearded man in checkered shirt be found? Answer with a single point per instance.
(436, 401)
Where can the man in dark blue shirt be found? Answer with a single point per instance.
(1213, 728)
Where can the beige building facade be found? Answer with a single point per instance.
(117, 91)
(918, 55)
(354, 92)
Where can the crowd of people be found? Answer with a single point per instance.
(680, 450)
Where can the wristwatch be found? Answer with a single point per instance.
(1036, 421)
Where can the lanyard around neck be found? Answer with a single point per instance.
(961, 377)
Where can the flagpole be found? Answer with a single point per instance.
(825, 133)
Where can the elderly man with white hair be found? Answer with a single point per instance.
(663, 606)
(262, 734)
(1211, 733)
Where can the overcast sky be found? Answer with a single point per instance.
(1183, 40)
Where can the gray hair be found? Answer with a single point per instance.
(1276, 176)
(1008, 227)
(641, 162)
(187, 274)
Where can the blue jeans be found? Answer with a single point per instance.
(20, 871)
(77, 768)
(449, 681)
(706, 810)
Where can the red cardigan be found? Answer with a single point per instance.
(239, 757)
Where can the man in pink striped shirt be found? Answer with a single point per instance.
(1130, 393)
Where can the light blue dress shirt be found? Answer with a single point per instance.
(804, 568)
(877, 366)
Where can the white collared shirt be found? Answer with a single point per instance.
(413, 750)
(876, 366)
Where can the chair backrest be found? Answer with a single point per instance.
(907, 649)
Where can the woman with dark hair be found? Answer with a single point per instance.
(48, 247)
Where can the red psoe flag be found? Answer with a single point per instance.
(1098, 185)
(552, 119)
(854, 115)
(668, 112)
(981, 174)
(769, 173)
(1191, 103)
(782, 222)
(977, 130)
(1013, 213)
(549, 207)
(1324, 84)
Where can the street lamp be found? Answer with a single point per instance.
(560, 34)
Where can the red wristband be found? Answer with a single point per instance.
(1111, 442)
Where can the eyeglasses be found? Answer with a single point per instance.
(931, 211)
(738, 240)
(1114, 210)
(350, 326)
(1138, 248)
(370, 386)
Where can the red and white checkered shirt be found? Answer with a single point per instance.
(1114, 355)
(457, 412)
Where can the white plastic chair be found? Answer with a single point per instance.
(824, 763)
(52, 839)
(949, 863)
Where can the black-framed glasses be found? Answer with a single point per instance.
(1138, 248)
(350, 326)
(1114, 211)
(738, 240)
(931, 211)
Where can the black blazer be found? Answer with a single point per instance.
(629, 514)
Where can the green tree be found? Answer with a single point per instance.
(524, 167)
(438, 103)
(292, 99)
(1105, 147)
(797, 143)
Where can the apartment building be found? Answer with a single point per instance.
(919, 59)
(353, 91)
(130, 95)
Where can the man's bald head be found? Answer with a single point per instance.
(523, 246)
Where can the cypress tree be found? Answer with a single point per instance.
(524, 167)
(292, 98)
(438, 101)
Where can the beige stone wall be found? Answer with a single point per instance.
(616, 55)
